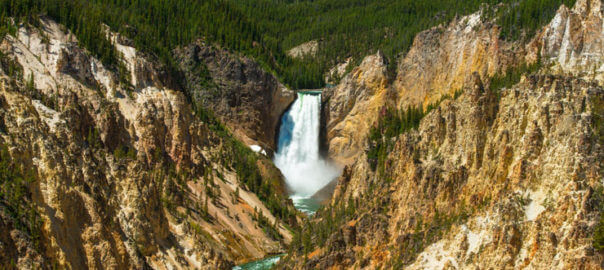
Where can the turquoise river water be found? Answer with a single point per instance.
(298, 157)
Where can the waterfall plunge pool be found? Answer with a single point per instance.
(307, 205)
(298, 154)
(299, 159)
(263, 264)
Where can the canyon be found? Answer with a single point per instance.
(491, 178)
(128, 175)
(469, 151)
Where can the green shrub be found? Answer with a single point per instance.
(598, 117)
(513, 75)
(13, 69)
(124, 152)
(266, 29)
(15, 196)
(94, 139)
(598, 236)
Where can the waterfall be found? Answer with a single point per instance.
(298, 155)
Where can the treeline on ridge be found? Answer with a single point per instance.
(265, 29)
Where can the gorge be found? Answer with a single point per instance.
(299, 159)
(298, 156)
(182, 134)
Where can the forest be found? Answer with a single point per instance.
(266, 29)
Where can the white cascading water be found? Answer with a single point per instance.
(298, 155)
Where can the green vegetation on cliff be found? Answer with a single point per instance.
(245, 163)
(15, 196)
(391, 123)
(266, 29)
(599, 230)
(598, 194)
(513, 75)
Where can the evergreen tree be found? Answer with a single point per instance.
(266, 29)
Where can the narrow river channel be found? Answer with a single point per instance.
(298, 157)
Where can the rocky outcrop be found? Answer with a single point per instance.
(494, 178)
(350, 108)
(443, 59)
(244, 96)
(440, 62)
(124, 175)
(573, 42)
(336, 73)
(482, 182)
(307, 49)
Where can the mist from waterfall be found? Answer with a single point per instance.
(298, 155)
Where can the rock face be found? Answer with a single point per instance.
(573, 43)
(482, 183)
(487, 183)
(351, 107)
(494, 178)
(440, 62)
(121, 178)
(334, 74)
(443, 59)
(307, 49)
(244, 96)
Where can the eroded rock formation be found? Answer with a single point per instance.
(123, 175)
(244, 96)
(351, 107)
(493, 178)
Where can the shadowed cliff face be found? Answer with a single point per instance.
(124, 176)
(501, 178)
(244, 96)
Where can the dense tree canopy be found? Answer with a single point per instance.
(266, 29)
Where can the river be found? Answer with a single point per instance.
(298, 157)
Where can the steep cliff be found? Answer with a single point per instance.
(443, 59)
(440, 62)
(121, 172)
(510, 182)
(244, 96)
(573, 42)
(490, 177)
(350, 108)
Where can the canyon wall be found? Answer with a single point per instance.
(244, 96)
(122, 171)
(491, 178)
(440, 62)
(351, 107)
